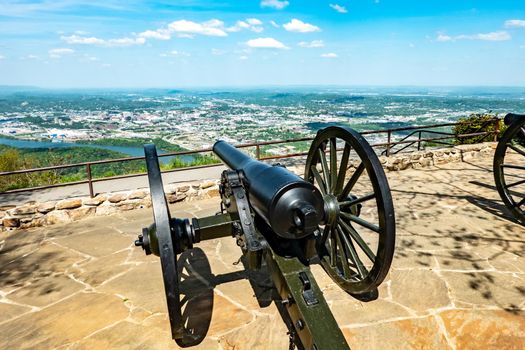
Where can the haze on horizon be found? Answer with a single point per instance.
(194, 43)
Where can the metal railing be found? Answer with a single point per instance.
(389, 150)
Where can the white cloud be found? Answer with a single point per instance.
(266, 43)
(275, 25)
(252, 24)
(2, 57)
(175, 53)
(515, 23)
(329, 55)
(57, 53)
(443, 37)
(311, 44)
(298, 26)
(243, 57)
(160, 34)
(75, 39)
(185, 36)
(492, 36)
(254, 21)
(339, 8)
(276, 4)
(213, 27)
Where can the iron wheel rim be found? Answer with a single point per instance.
(505, 181)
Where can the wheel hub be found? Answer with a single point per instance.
(331, 209)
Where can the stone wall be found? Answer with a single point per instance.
(39, 214)
(34, 214)
(421, 159)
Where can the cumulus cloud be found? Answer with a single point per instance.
(160, 34)
(276, 4)
(252, 24)
(57, 53)
(515, 23)
(339, 8)
(126, 41)
(181, 28)
(266, 43)
(492, 36)
(299, 26)
(329, 55)
(443, 38)
(213, 27)
(311, 44)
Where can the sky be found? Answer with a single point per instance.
(257, 43)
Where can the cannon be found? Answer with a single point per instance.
(509, 165)
(340, 215)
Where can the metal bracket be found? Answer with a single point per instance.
(254, 243)
(307, 291)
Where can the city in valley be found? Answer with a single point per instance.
(195, 119)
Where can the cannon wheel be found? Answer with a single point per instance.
(346, 244)
(167, 249)
(509, 168)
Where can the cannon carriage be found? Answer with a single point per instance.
(340, 216)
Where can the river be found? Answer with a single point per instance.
(130, 151)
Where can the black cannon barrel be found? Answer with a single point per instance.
(292, 207)
(512, 117)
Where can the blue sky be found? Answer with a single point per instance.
(114, 43)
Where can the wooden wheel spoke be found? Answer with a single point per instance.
(361, 222)
(324, 166)
(333, 164)
(359, 240)
(344, 255)
(355, 259)
(361, 269)
(342, 169)
(317, 176)
(357, 200)
(516, 149)
(353, 180)
(324, 237)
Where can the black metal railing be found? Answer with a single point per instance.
(388, 149)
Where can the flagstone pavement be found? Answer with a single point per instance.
(457, 279)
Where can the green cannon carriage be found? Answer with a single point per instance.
(340, 216)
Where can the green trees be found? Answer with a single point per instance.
(11, 159)
(475, 123)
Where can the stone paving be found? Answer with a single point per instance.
(457, 280)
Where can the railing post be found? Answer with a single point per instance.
(90, 183)
(389, 137)
(419, 141)
(496, 130)
(258, 151)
